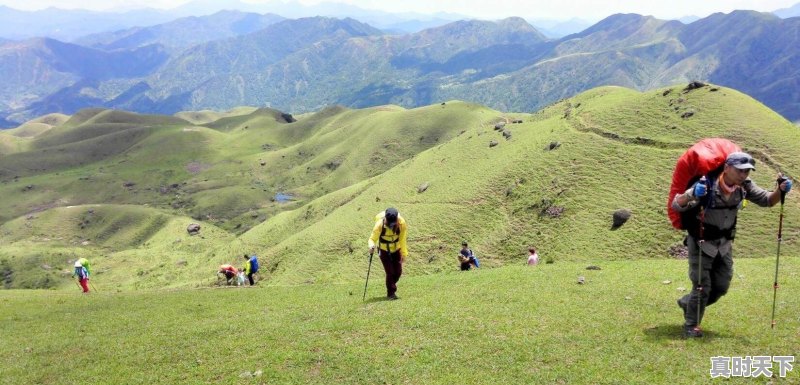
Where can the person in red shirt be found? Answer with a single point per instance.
(229, 272)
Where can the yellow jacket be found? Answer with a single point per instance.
(391, 241)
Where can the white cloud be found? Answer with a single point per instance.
(496, 9)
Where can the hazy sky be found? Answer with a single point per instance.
(491, 9)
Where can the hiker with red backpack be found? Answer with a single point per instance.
(227, 271)
(708, 210)
(389, 236)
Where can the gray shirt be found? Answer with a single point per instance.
(723, 218)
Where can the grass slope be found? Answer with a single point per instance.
(511, 325)
(617, 150)
(208, 116)
(132, 246)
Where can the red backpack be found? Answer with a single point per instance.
(701, 159)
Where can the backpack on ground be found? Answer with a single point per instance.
(253, 264)
(703, 158)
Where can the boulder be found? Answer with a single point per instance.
(553, 211)
(694, 85)
(423, 187)
(619, 218)
(288, 118)
(679, 251)
(193, 229)
(553, 146)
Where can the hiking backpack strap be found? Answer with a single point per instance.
(395, 230)
(691, 218)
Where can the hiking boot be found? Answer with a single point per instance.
(392, 297)
(692, 332)
(683, 306)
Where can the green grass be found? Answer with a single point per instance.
(342, 166)
(509, 325)
(92, 189)
(208, 116)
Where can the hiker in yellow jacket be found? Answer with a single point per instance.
(389, 233)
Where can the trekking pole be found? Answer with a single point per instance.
(700, 267)
(93, 288)
(364, 297)
(700, 256)
(778, 256)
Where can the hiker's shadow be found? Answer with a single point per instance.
(673, 332)
(376, 299)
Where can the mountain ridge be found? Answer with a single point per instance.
(467, 60)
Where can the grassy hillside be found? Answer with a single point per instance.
(511, 325)
(617, 151)
(208, 116)
(339, 167)
(132, 246)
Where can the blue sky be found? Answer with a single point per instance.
(497, 9)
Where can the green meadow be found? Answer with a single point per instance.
(302, 192)
(510, 325)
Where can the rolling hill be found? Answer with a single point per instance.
(301, 191)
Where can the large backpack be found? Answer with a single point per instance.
(253, 264)
(80, 271)
(703, 158)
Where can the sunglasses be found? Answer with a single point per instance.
(739, 161)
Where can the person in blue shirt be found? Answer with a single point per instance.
(82, 272)
(467, 258)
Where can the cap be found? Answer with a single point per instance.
(391, 216)
(463, 243)
(741, 160)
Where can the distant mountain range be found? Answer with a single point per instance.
(786, 13)
(182, 33)
(296, 65)
(70, 25)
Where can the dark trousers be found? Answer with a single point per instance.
(250, 278)
(715, 278)
(393, 269)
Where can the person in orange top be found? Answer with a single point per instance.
(389, 235)
(229, 272)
